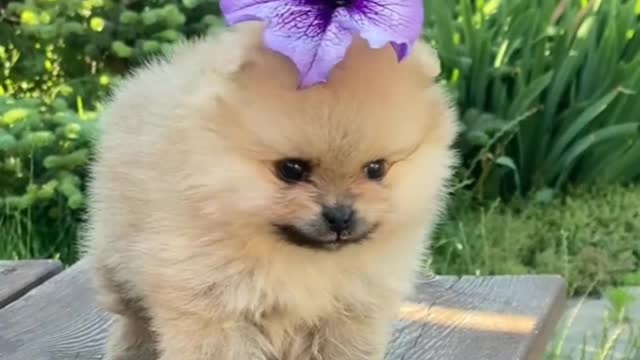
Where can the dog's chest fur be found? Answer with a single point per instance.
(294, 316)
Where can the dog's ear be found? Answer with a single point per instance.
(426, 61)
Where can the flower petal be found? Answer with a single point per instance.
(316, 36)
(380, 22)
(302, 30)
(236, 11)
(312, 41)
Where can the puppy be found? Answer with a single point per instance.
(235, 216)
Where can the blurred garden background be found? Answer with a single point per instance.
(548, 92)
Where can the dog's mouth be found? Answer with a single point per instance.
(295, 236)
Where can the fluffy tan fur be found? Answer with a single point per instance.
(183, 198)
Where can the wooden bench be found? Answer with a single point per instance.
(47, 317)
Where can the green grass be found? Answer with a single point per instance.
(24, 237)
(619, 336)
(589, 237)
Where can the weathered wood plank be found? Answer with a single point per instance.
(18, 277)
(480, 318)
(494, 318)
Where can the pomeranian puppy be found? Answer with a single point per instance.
(235, 216)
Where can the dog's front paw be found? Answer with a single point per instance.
(130, 340)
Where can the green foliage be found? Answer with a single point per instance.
(545, 88)
(632, 279)
(590, 237)
(77, 46)
(58, 61)
(44, 150)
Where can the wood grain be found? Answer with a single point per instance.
(18, 277)
(479, 318)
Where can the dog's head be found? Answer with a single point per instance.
(331, 165)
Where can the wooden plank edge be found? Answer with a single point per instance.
(55, 267)
(488, 321)
(537, 345)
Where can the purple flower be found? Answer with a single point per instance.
(315, 34)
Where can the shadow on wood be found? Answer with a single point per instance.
(19, 277)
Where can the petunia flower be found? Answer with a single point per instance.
(315, 34)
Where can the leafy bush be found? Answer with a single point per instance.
(54, 54)
(548, 89)
(79, 45)
(590, 237)
(44, 149)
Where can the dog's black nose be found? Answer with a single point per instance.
(338, 218)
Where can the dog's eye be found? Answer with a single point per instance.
(376, 170)
(293, 170)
